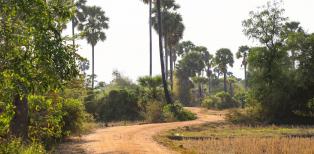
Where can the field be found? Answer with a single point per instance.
(222, 137)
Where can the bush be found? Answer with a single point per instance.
(248, 116)
(175, 112)
(45, 119)
(226, 101)
(53, 119)
(6, 114)
(210, 102)
(15, 146)
(154, 112)
(220, 101)
(74, 116)
(91, 104)
(119, 105)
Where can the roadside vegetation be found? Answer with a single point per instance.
(45, 93)
(47, 96)
(271, 110)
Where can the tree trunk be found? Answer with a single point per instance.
(19, 123)
(245, 78)
(208, 76)
(93, 66)
(171, 69)
(200, 90)
(73, 33)
(231, 89)
(150, 40)
(225, 82)
(164, 81)
(166, 56)
(245, 73)
(73, 28)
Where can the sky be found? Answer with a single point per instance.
(214, 24)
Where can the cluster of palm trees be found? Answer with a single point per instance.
(169, 25)
(91, 23)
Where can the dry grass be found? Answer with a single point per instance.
(274, 145)
(225, 138)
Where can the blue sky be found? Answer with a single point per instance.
(212, 23)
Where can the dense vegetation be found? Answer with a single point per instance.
(281, 68)
(45, 94)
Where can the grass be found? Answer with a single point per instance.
(230, 138)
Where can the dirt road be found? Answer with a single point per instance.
(137, 139)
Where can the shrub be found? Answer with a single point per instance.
(74, 116)
(91, 104)
(210, 102)
(226, 101)
(175, 112)
(45, 119)
(119, 105)
(248, 116)
(16, 146)
(6, 114)
(154, 112)
(220, 101)
(53, 119)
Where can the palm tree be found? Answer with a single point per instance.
(242, 53)
(224, 57)
(150, 37)
(78, 16)
(232, 80)
(167, 8)
(175, 34)
(164, 81)
(93, 29)
(209, 62)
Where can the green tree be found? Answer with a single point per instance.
(269, 65)
(93, 30)
(184, 48)
(243, 53)
(207, 58)
(191, 65)
(34, 56)
(223, 58)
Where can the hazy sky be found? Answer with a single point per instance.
(212, 23)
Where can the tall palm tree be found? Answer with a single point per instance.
(242, 53)
(224, 57)
(93, 30)
(164, 81)
(231, 81)
(167, 7)
(78, 16)
(150, 37)
(175, 34)
(208, 63)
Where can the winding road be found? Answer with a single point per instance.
(136, 139)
